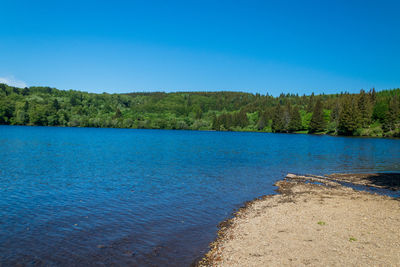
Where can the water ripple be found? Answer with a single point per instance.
(79, 196)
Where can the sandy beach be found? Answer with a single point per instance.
(314, 221)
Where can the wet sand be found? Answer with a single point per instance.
(314, 221)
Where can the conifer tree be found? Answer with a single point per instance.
(287, 113)
(198, 112)
(372, 95)
(392, 115)
(295, 120)
(118, 113)
(277, 120)
(225, 121)
(310, 105)
(241, 119)
(365, 109)
(348, 117)
(55, 104)
(317, 123)
(26, 106)
(262, 121)
(335, 111)
(380, 110)
(215, 122)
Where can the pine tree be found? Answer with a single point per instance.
(372, 95)
(335, 111)
(317, 123)
(348, 117)
(310, 104)
(198, 112)
(277, 120)
(365, 109)
(215, 122)
(392, 115)
(262, 121)
(118, 113)
(55, 104)
(295, 120)
(380, 111)
(241, 119)
(224, 122)
(286, 117)
(26, 106)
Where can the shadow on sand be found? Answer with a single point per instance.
(390, 181)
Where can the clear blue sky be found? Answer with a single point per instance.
(255, 46)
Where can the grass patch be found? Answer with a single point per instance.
(301, 132)
(321, 223)
(352, 239)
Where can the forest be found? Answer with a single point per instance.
(367, 113)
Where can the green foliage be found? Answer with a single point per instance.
(366, 114)
(295, 123)
(349, 116)
(317, 123)
(392, 118)
(263, 121)
(228, 121)
(373, 131)
(379, 111)
(305, 119)
(365, 108)
(277, 120)
(6, 111)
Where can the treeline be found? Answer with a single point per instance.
(365, 114)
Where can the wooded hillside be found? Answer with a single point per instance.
(365, 114)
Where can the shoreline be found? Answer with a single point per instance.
(313, 220)
(198, 130)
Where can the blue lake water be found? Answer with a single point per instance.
(85, 196)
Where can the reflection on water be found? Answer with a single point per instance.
(80, 196)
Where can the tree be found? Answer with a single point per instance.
(295, 123)
(215, 122)
(118, 113)
(277, 120)
(372, 95)
(197, 110)
(55, 104)
(2, 87)
(262, 121)
(21, 116)
(348, 117)
(240, 119)
(53, 120)
(286, 117)
(317, 123)
(73, 100)
(38, 115)
(310, 104)
(380, 111)
(26, 106)
(6, 111)
(365, 109)
(392, 115)
(198, 113)
(335, 111)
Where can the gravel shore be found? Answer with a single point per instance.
(314, 221)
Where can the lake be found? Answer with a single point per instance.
(86, 196)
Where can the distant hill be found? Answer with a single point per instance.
(364, 114)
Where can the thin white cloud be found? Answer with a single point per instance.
(11, 81)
